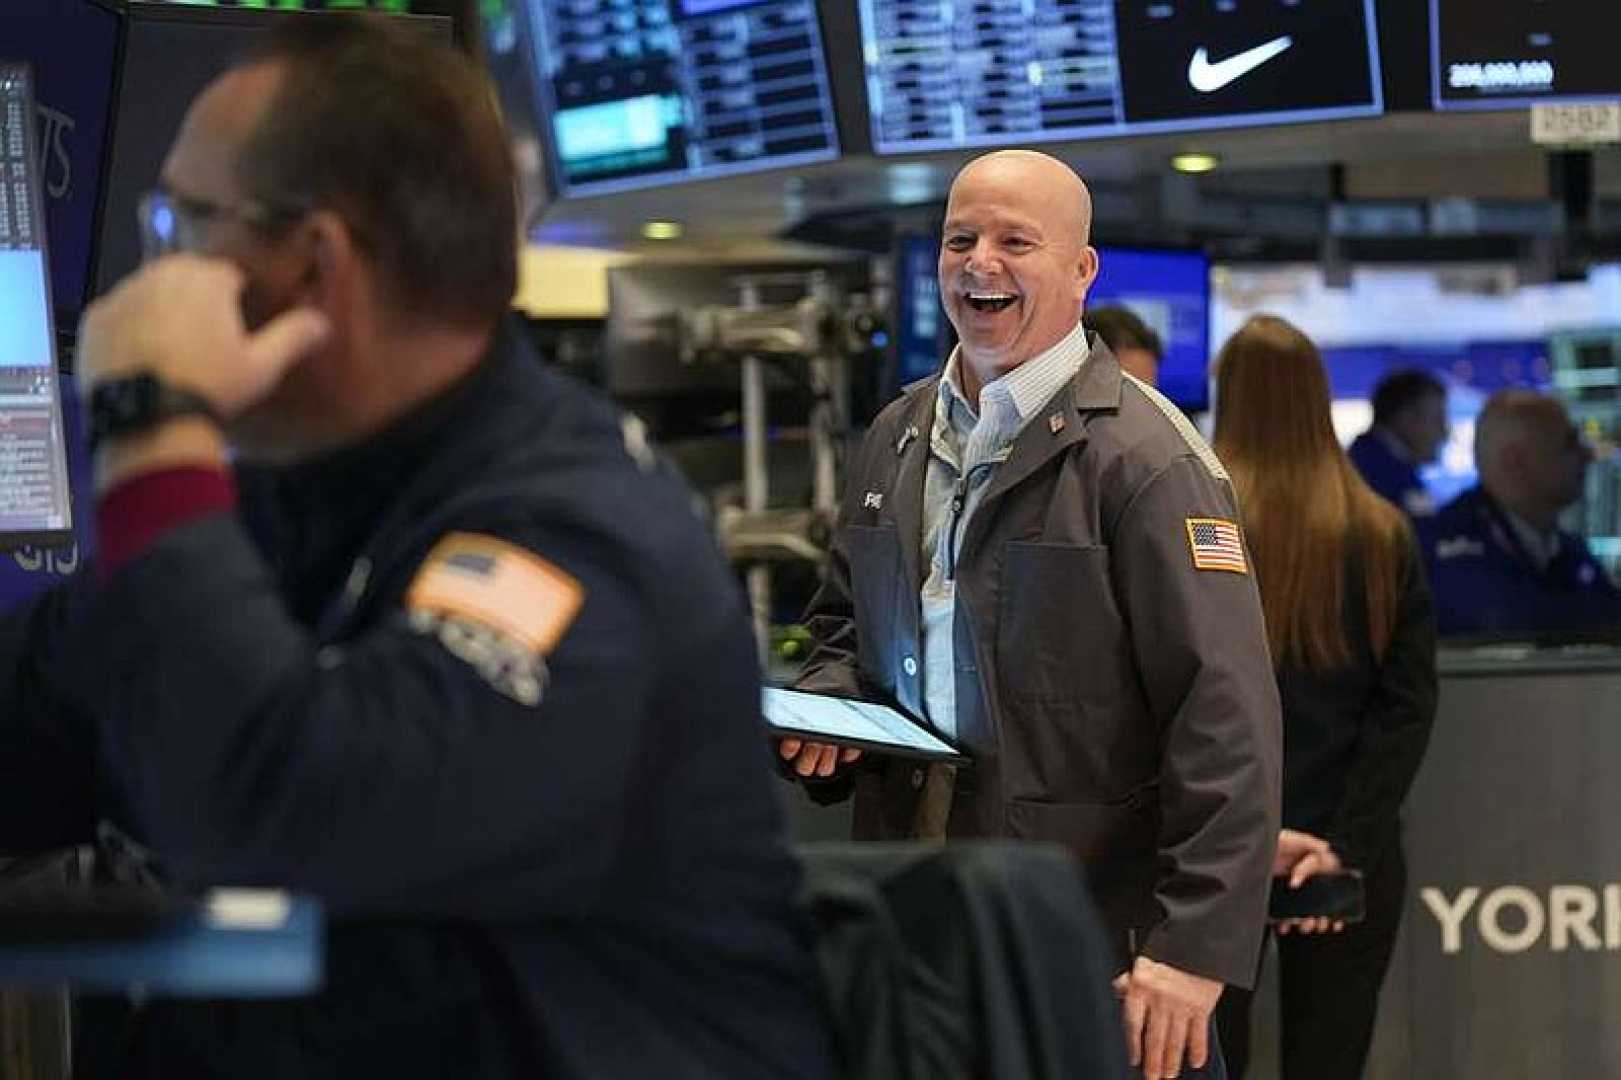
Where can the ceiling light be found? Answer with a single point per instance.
(662, 230)
(1195, 163)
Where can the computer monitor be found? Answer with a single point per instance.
(1513, 53)
(171, 52)
(1471, 372)
(35, 497)
(72, 48)
(922, 333)
(647, 92)
(949, 76)
(1170, 291)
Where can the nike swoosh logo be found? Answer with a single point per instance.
(1207, 78)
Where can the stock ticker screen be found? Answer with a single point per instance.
(34, 493)
(644, 92)
(1509, 53)
(969, 73)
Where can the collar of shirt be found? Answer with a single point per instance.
(1394, 444)
(1007, 403)
(1542, 547)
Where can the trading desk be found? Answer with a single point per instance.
(1509, 962)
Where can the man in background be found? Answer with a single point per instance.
(387, 612)
(1136, 347)
(1409, 428)
(1499, 562)
(1042, 559)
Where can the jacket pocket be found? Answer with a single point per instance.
(1074, 722)
(1095, 832)
(1059, 631)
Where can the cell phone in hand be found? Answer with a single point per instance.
(1338, 895)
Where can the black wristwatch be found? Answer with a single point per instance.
(136, 403)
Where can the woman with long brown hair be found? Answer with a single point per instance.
(1352, 631)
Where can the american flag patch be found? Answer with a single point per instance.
(499, 586)
(1217, 545)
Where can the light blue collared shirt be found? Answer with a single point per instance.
(965, 446)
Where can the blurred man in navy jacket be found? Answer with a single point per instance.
(1409, 426)
(1499, 562)
(386, 611)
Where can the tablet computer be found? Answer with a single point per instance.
(862, 724)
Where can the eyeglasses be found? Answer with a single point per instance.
(171, 222)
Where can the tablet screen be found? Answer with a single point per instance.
(856, 723)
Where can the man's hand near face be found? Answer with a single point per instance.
(1166, 1013)
(180, 318)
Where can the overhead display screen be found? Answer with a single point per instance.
(967, 73)
(1517, 52)
(642, 92)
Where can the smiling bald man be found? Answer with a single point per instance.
(1039, 556)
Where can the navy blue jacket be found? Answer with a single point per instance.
(1390, 475)
(1486, 585)
(596, 885)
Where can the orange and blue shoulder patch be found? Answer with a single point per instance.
(1217, 545)
(497, 585)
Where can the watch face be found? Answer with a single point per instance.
(1191, 60)
(127, 403)
(132, 404)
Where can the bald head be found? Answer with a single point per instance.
(1015, 263)
(1513, 420)
(1046, 181)
(1530, 457)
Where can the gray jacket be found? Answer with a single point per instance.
(1115, 698)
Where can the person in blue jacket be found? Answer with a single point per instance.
(1409, 427)
(387, 612)
(1499, 562)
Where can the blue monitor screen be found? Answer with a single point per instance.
(1170, 291)
(920, 323)
(1471, 372)
(646, 92)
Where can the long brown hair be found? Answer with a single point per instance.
(1305, 507)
